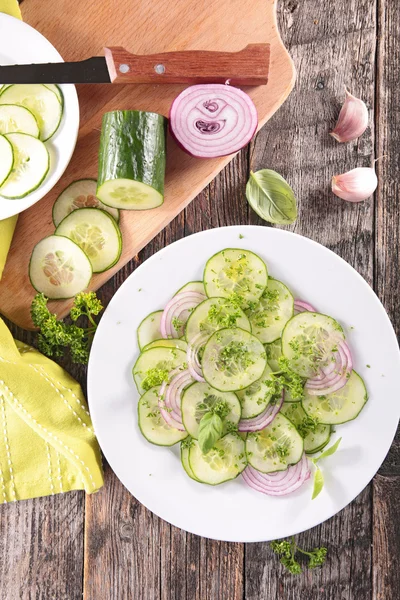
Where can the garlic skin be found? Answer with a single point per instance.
(352, 121)
(355, 185)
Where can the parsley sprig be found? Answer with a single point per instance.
(287, 550)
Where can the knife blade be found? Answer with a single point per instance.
(249, 66)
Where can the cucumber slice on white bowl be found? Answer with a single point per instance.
(31, 164)
(21, 44)
(17, 119)
(6, 158)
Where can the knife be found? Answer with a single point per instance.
(249, 66)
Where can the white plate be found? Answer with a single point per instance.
(21, 44)
(233, 511)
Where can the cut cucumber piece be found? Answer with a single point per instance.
(151, 423)
(174, 343)
(41, 101)
(273, 311)
(149, 329)
(315, 435)
(6, 159)
(193, 286)
(309, 342)
(223, 462)
(97, 233)
(233, 359)
(238, 273)
(57, 90)
(185, 460)
(59, 268)
(31, 165)
(200, 398)
(132, 160)
(339, 407)
(255, 398)
(79, 194)
(275, 447)
(214, 314)
(154, 366)
(17, 119)
(274, 353)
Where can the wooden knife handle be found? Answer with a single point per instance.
(249, 66)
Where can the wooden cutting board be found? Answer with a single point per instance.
(82, 29)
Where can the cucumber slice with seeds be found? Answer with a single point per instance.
(273, 311)
(59, 268)
(6, 159)
(222, 463)
(315, 435)
(174, 343)
(193, 286)
(149, 329)
(79, 194)
(31, 165)
(17, 119)
(185, 460)
(97, 233)
(274, 353)
(154, 366)
(214, 314)
(151, 423)
(255, 398)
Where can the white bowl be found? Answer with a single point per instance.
(21, 44)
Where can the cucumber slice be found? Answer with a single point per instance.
(200, 398)
(274, 353)
(149, 329)
(17, 119)
(97, 233)
(309, 341)
(151, 423)
(31, 165)
(255, 398)
(223, 462)
(339, 407)
(153, 366)
(185, 460)
(59, 268)
(181, 344)
(132, 160)
(193, 286)
(57, 90)
(79, 194)
(41, 101)
(236, 272)
(270, 315)
(233, 359)
(6, 159)
(214, 314)
(315, 436)
(275, 447)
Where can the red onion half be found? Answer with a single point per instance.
(169, 398)
(263, 419)
(212, 120)
(301, 306)
(335, 375)
(280, 483)
(178, 308)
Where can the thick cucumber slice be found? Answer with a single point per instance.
(151, 423)
(79, 194)
(236, 272)
(185, 460)
(149, 329)
(200, 398)
(255, 398)
(275, 447)
(309, 341)
(59, 268)
(57, 90)
(214, 314)
(193, 286)
(338, 407)
(223, 462)
(315, 436)
(17, 119)
(270, 315)
(132, 160)
(154, 366)
(174, 343)
(97, 233)
(41, 101)
(31, 164)
(233, 359)
(6, 159)
(274, 353)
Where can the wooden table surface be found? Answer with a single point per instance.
(108, 546)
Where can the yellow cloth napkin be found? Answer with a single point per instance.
(47, 442)
(10, 7)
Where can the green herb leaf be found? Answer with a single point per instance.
(331, 450)
(271, 197)
(210, 431)
(318, 483)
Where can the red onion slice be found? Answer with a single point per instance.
(280, 483)
(301, 306)
(335, 379)
(178, 308)
(169, 399)
(193, 348)
(212, 120)
(263, 419)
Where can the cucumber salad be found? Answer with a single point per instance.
(249, 380)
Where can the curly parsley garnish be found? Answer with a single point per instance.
(287, 550)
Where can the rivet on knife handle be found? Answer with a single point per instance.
(249, 66)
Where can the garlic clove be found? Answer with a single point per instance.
(352, 121)
(355, 185)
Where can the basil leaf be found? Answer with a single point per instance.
(271, 197)
(329, 451)
(210, 431)
(318, 483)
